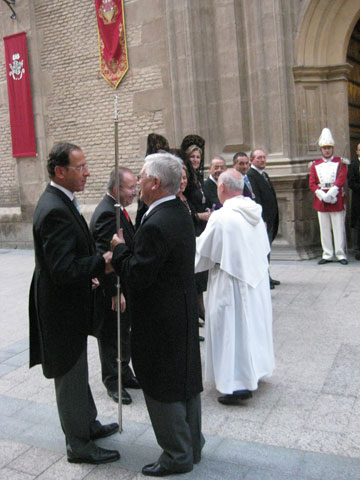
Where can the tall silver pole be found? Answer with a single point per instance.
(117, 212)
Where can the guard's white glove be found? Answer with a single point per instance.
(333, 191)
(331, 194)
(329, 198)
(320, 194)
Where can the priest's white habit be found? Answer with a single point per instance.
(239, 343)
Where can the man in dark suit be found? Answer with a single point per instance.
(241, 163)
(217, 166)
(159, 274)
(103, 227)
(62, 303)
(353, 178)
(265, 195)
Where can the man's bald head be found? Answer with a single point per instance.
(230, 184)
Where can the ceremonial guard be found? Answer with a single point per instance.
(327, 180)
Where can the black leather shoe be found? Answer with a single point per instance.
(105, 431)
(323, 261)
(97, 456)
(343, 261)
(131, 382)
(157, 470)
(125, 396)
(201, 338)
(235, 398)
(274, 282)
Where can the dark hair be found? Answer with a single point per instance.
(192, 176)
(112, 178)
(239, 154)
(60, 156)
(178, 153)
(190, 140)
(156, 143)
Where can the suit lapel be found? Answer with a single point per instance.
(126, 224)
(77, 216)
(154, 210)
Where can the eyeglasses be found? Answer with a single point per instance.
(143, 175)
(81, 168)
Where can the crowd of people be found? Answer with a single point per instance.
(181, 245)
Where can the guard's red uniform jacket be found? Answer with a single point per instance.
(324, 175)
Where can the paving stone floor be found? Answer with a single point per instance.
(303, 423)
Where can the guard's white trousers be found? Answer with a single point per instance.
(332, 224)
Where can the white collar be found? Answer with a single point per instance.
(111, 196)
(213, 179)
(158, 202)
(257, 169)
(327, 159)
(63, 189)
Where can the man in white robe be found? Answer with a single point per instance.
(234, 248)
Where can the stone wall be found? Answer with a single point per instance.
(72, 102)
(240, 73)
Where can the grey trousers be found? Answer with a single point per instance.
(76, 407)
(177, 427)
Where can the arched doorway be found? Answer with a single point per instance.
(324, 75)
(353, 58)
(322, 70)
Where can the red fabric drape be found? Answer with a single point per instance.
(112, 40)
(20, 100)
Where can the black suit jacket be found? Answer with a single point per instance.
(103, 227)
(61, 305)
(265, 195)
(353, 177)
(160, 279)
(210, 190)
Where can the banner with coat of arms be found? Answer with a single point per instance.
(19, 92)
(112, 40)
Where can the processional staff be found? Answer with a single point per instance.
(117, 212)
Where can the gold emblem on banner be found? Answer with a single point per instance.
(108, 11)
(116, 69)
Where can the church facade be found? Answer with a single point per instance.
(242, 74)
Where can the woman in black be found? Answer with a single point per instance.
(195, 195)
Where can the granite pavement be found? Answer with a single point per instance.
(303, 423)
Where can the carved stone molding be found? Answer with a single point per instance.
(328, 73)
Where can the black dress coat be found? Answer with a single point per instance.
(265, 195)
(102, 228)
(159, 274)
(61, 304)
(210, 190)
(353, 178)
(196, 196)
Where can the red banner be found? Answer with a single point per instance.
(19, 91)
(112, 40)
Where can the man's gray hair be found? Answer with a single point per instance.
(167, 168)
(232, 179)
(112, 178)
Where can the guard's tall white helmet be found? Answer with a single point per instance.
(326, 138)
